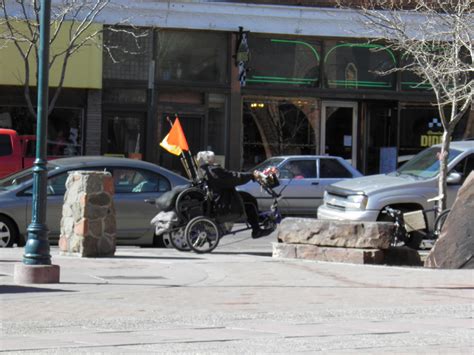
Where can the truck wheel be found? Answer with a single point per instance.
(8, 233)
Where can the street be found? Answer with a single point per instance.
(238, 299)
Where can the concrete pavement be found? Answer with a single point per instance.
(235, 300)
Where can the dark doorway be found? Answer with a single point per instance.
(381, 138)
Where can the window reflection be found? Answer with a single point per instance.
(358, 65)
(284, 61)
(278, 127)
(186, 55)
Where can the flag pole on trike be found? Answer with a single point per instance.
(175, 143)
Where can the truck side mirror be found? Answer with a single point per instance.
(453, 178)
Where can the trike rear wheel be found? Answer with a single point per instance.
(178, 240)
(202, 234)
(190, 203)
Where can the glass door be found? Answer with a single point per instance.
(339, 130)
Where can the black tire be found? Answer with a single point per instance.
(190, 204)
(8, 232)
(178, 240)
(439, 222)
(202, 234)
(158, 241)
(414, 240)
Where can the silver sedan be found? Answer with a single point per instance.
(303, 179)
(135, 182)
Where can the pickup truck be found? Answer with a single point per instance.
(17, 152)
(408, 188)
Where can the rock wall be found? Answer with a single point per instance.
(88, 226)
(341, 241)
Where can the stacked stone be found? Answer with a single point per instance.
(88, 226)
(340, 241)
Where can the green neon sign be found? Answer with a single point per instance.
(361, 45)
(361, 83)
(416, 85)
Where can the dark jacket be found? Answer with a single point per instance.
(222, 182)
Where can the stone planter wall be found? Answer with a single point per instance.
(340, 241)
(88, 226)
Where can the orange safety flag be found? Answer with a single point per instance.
(175, 141)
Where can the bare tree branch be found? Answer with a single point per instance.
(437, 37)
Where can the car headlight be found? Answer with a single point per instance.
(357, 202)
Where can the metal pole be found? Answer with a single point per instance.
(37, 246)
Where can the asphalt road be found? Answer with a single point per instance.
(238, 299)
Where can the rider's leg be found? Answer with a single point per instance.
(251, 210)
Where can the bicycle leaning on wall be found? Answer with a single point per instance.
(407, 224)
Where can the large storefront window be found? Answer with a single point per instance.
(284, 61)
(356, 66)
(274, 126)
(127, 57)
(420, 128)
(191, 56)
(65, 129)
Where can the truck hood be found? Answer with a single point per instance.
(374, 183)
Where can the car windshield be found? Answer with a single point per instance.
(425, 164)
(12, 181)
(267, 164)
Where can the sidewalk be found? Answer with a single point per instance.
(234, 300)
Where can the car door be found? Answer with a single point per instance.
(132, 187)
(56, 187)
(299, 186)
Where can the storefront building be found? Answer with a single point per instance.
(310, 88)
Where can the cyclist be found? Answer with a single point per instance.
(229, 202)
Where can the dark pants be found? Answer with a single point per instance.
(251, 209)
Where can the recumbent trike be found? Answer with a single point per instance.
(198, 223)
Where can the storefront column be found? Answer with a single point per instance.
(234, 159)
(93, 123)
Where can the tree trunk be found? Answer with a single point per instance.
(443, 169)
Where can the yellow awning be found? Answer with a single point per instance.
(84, 69)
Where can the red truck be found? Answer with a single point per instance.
(16, 152)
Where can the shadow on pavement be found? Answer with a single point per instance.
(256, 253)
(26, 289)
(155, 257)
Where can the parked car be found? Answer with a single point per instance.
(303, 179)
(135, 181)
(408, 188)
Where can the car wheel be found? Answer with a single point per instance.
(8, 233)
(159, 242)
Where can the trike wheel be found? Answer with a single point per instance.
(202, 234)
(190, 203)
(178, 240)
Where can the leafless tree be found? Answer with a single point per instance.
(437, 37)
(19, 27)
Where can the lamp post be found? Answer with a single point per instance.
(36, 267)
